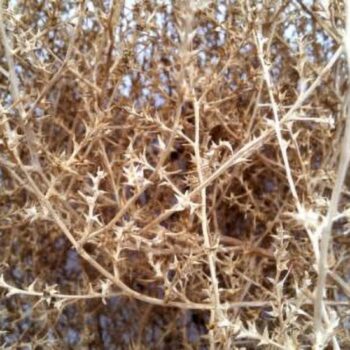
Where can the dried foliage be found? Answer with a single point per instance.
(173, 174)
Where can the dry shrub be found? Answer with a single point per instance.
(169, 175)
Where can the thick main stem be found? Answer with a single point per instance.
(333, 206)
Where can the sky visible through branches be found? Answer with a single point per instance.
(173, 174)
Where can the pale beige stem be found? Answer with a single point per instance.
(326, 232)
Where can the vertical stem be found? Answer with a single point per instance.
(282, 143)
(205, 227)
(333, 206)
